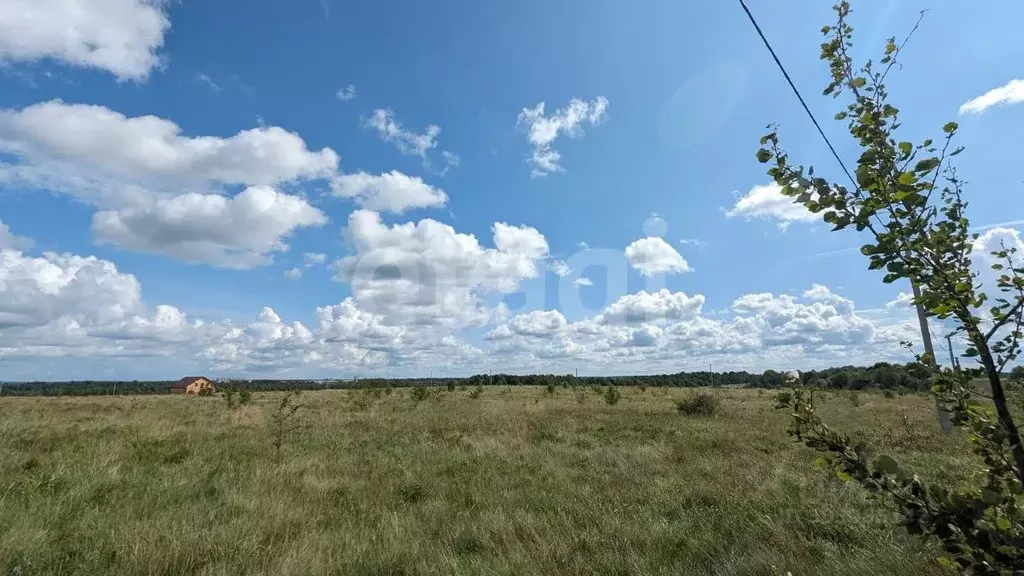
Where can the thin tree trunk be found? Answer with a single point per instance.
(929, 350)
(1002, 410)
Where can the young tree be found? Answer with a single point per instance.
(908, 199)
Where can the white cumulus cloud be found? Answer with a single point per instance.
(122, 37)
(389, 192)
(767, 202)
(406, 141)
(542, 130)
(236, 232)
(655, 256)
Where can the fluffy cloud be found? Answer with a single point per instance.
(667, 330)
(150, 148)
(238, 232)
(406, 141)
(119, 36)
(86, 291)
(63, 306)
(347, 93)
(542, 130)
(539, 323)
(388, 192)
(767, 202)
(560, 268)
(655, 256)
(293, 273)
(647, 307)
(583, 281)
(162, 192)
(902, 300)
(427, 273)
(9, 241)
(1011, 93)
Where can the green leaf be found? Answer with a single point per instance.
(926, 165)
(1003, 524)
(858, 82)
(990, 497)
(906, 147)
(950, 127)
(763, 155)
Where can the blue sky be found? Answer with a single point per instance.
(203, 149)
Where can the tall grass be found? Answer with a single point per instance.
(512, 482)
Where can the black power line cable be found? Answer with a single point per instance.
(797, 92)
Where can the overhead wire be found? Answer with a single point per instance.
(796, 91)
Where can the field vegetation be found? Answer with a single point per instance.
(478, 480)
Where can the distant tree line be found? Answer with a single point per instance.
(883, 375)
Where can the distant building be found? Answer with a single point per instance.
(192, 385)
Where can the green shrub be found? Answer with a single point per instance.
(699, 404)
(476, 392)
(244, 397)
(612, 395)
(419, 393)
(888, 393)
(784, 397)
(282, 421)
(229, 398)
(550, 388)
(451, 385)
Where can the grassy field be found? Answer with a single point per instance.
(515, 482)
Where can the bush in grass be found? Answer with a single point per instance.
(888, 393)
(700, 404)
(784, 397)
(612, 395)
(476, 392)
(419, 393)
(244, 397)
(550, 388)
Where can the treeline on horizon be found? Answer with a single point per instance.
(910, 377)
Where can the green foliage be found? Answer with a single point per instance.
(783, 397)
(450, 385)
(419, 393)
(887, 393)
(700, 404)
(612, 395)
(980, 528)
(206, 392)
(908, 199)
(1017, 374)
(550, 388)
(282, 421)
(229, 398)
(476, 392)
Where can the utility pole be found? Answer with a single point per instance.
(952, 359)
(929, 351)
